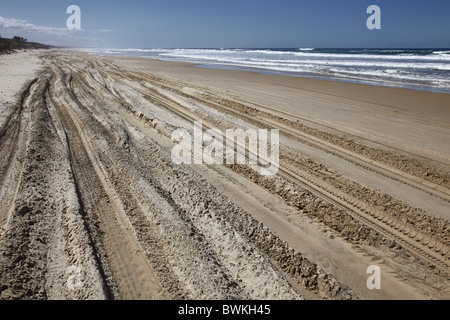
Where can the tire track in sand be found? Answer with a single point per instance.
(132, 273)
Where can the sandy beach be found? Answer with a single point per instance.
(92, 205)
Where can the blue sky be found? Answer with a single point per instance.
(230, 23)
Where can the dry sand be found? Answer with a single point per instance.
(15, 70)
(92, 206)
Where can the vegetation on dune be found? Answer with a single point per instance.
(19, 43)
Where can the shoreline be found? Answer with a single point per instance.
(376, 83)
(413, 85)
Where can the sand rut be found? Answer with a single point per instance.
(364, 214)
(43, 235)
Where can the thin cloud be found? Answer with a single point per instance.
(23, 25)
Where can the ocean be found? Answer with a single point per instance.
(419, 69)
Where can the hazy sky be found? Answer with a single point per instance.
(230, 23)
